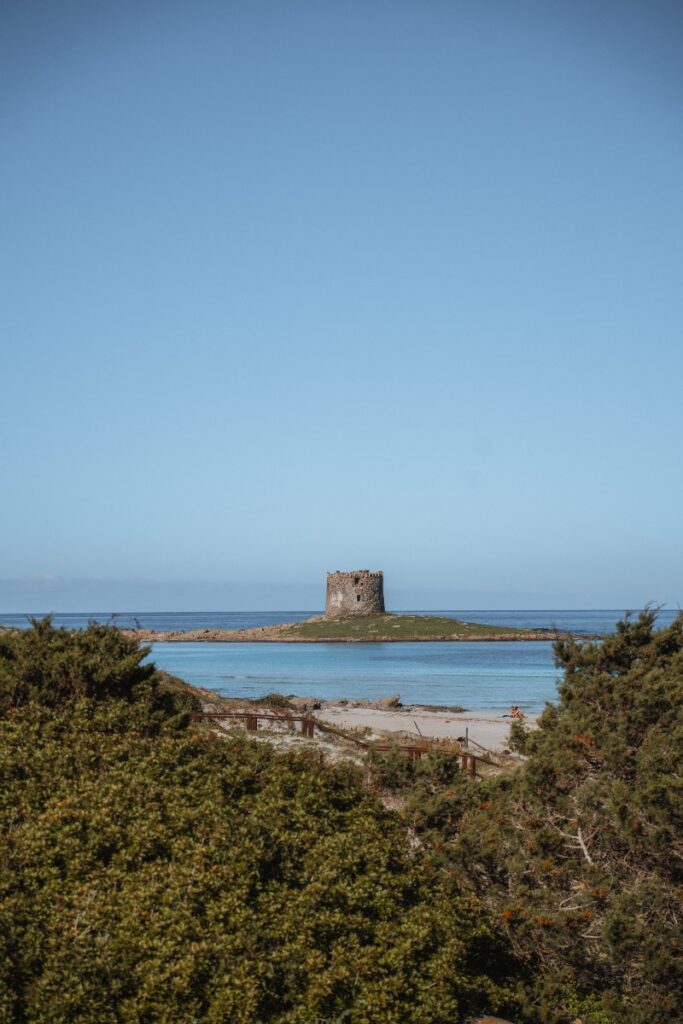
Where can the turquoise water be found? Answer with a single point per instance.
(473, 675)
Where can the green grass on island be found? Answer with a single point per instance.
(398, 627)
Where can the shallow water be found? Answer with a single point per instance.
(480, 675)
(473, 675)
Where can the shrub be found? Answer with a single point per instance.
(519, 735)
(275, 700)
(53, 667)
(579, 852)
(172, 875)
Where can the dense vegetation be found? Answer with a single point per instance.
(150, 871)
(579, 854)
(55, 667)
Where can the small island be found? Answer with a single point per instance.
(354, 613)
(383, 628)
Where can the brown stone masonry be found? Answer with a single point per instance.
(354, 593)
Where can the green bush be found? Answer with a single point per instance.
(172, 876)
(275, 700)
(182, 877)
(153, 872)
(53, 667)
(519, 736)
(578, 853)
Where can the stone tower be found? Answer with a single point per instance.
(354, 593)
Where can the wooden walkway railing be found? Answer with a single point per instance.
(468, 760)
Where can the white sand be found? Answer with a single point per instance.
(487, 728)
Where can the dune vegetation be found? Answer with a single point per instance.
(152, 870)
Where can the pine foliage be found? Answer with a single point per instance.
(150, 871)
(165, 874)
(581, 853)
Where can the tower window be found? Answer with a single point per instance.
(356, 580)
(357, 597)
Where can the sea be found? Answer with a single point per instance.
(481, 675)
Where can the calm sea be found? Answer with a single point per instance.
(474, 675)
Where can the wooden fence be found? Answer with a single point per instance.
(308, 725)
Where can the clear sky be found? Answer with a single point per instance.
(297, 286)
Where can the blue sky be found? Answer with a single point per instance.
(297, 286)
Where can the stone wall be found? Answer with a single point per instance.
(354, 593)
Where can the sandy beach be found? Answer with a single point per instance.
(487, 728)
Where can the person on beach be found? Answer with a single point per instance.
(514, 712)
